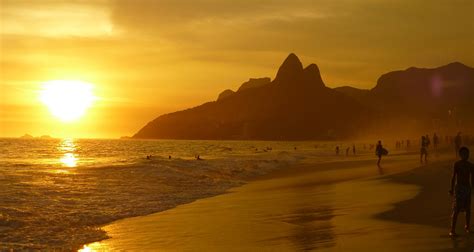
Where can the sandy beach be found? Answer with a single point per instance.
(336, 206)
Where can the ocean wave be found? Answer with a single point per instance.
(45, 209)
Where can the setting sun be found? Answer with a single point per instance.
(67, 100)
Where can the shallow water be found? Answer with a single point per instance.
(295, 213)
(56, 193)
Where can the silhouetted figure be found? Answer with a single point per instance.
(169, 157)
(353, 149)
(379, 152)
(428, 141)
(423, 149)
(435, 143)
(461, 189)
(337, 150)
(457, 143)
(347, 151)
(408, 143)
(198, 157)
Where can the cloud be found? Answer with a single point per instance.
(387, 34)
(55, 18)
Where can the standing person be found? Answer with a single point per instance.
(337, 150)
(435, 143)
(457, 143)
(461, 183)
(347, 151)
(428, 141)
(353, 149)
(408, 143)
(379, 152)
(424, 149)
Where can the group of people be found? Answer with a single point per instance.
(402, 143)
(348, 150)
(462, 178)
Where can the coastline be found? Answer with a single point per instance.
(248, 216)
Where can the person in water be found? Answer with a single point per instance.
(337, 150)
(353, 149)
(424, 149)
(379, 152)
(461, 183)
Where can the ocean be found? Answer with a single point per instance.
(56, 193)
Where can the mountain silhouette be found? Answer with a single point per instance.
(296, 105)
(425, 92)
(356, 93)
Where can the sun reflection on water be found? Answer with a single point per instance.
(67, 147)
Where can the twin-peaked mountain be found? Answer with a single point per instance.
(297, 105)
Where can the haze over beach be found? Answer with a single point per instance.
(236, 125)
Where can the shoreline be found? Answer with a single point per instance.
(301, 177)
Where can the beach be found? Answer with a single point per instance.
(335, 206)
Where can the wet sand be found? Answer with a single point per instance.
(337, 206)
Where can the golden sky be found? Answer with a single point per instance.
(149, 57)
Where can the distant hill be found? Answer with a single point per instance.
(425, 92)
(356, 93)
(27, 136)
(297, 105)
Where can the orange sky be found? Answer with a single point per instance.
(148, 57)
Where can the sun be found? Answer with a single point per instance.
(68, 100)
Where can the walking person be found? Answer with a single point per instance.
(435, 143)
(461, 183)
(379, 152)
(424, 150)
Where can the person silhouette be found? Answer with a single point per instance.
(337, 150)
(424, 149)
(461, 184)
(435, 143)
(379, 152)
(353, 149)
(428, 141)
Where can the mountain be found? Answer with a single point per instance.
(295, 105)
(439, 98)
(254, 83)
(422, 91)
(356, 93)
